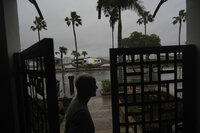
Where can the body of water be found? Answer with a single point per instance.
(105, 75)
(99, 75)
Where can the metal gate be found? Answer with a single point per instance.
(152, 89)
(37, 88)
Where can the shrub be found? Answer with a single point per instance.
(61, 112)
(106, 85)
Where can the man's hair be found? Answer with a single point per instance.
(83, 82)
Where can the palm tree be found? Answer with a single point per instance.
(76, 21)
(158, 7)
(39, 24)
(78, 54)
(145, 18)
(105, 5)
(179, 19)
(74, 54)
(62, 51)
(120, 5)
(84, 53)
(113, 14)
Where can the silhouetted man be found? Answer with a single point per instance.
(78, 118)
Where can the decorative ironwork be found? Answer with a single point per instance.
(39, 88)
(147, 88)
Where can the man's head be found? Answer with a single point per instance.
(86, 85)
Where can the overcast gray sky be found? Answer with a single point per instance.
(94, 36)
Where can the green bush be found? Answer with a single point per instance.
(106, 85)
(61, 112)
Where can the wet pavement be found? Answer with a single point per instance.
(100, 109)
(101, 112)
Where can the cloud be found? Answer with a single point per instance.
(94, 36)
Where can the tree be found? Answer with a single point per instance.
(145, 18)
(113, 14)
(179, 19)
(62, 51)
(137, 39)
(39, 24)
(158, 7)
(74, 54)
(134, 40)
(120, 5)
(78, 54)
(84, 53)
(76, 21)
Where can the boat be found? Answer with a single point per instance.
(88, 62)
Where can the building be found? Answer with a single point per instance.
(10, 44)
(67, 60)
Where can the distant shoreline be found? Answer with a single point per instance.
(101, 68)
(85, 69)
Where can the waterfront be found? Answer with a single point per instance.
(100, 106)
(105, 75)
(99, 75)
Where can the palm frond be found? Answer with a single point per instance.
(57, 53)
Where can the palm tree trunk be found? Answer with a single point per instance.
(145, 32)
(145, 41)
(179, 39)
(75, 47)
(119, 29)
(38, 34)
(63, 78)
(112, 37)
(179, 35)
(145, 29)
(120, 42)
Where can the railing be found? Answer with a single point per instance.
(151, 89)
(38, 88)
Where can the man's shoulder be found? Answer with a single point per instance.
(75, 107)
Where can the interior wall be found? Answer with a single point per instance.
(193, 37)
(9, 44)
